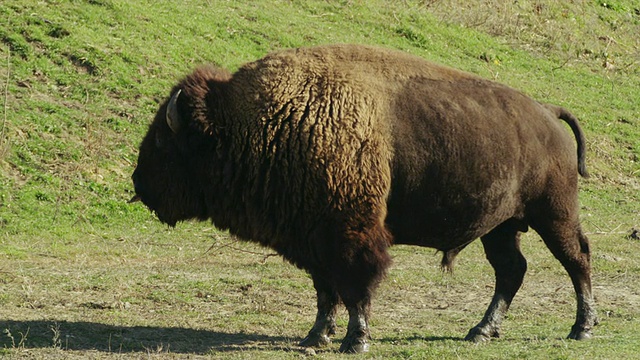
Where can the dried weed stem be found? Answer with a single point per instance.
(6, 102)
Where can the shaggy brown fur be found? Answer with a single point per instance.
(331, 154)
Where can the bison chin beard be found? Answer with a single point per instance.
(166, 219)
(169, 214)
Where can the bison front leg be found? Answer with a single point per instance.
(361, 266)
(358, 335)
(502, 248)
(325, 324)
(358, 305)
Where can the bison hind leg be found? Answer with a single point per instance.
(502, 249)
(567, 242)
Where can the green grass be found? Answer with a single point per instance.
(84, 274)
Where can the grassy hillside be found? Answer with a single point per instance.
(81, 80)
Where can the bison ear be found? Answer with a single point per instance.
(173, 116)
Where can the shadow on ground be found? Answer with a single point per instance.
(68, 335)
(122, 339)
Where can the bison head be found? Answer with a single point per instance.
(177, 151)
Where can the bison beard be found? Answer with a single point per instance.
(331, 154)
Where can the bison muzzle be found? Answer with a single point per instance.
(331, 154)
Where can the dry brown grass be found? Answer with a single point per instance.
(562, 29)
(150, 296)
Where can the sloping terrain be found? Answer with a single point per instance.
(84, 274)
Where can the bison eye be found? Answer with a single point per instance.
(159, 140)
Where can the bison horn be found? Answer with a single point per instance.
(173, 117)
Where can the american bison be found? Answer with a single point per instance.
(331, 154)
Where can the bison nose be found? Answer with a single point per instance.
(136, 197)
(136, 179)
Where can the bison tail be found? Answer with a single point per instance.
(574, 124)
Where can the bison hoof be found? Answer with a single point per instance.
(579, 334)
(478, 335)
(315, 340)
(354, 346)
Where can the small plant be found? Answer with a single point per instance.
(10, 336)
(56, 340)
(23, 338)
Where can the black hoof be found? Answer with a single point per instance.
(478, 335)
(579, 334)
(354, 346)
(315, 340)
